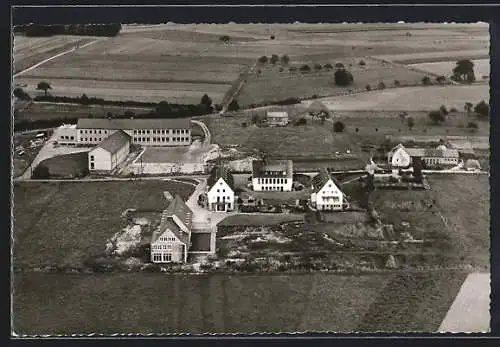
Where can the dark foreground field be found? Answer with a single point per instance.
(157, 303)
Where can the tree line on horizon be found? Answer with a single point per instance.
(38, 30)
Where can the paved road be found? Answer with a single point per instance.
(244, 78)
(53, 57)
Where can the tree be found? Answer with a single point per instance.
(301, 121)
(256, 119)
(368, 87)
(343, 77)
(21, 94)
(285, 59)
(84, 99)
(233, 106)
(464, 70)
(274, 59)
(224, 38)
(263, 59)
(417, 169)
(397, 83)
(482, 109)
(206, 101)
(292, 69)
(163, 108)
(305, 68)
(472, 126)
(440, 79)
(338, 127)
(436, 117)
(426, 81)
(43, 86)
(411, 122)
(444, 110)
(328, 66)
(317, 66)
(272, 37)
(339, 66)
(41, 172)
(362, 63)
(381, 85)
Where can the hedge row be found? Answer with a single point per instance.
(107, 30)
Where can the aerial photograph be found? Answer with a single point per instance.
(241, 178)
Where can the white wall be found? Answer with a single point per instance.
(161, 247)
(260, 185)
(221, 190)
(324, 198)
(66, 135)
(160, 137)
(102, 160)
(400, 158)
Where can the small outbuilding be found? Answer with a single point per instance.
(110, 152)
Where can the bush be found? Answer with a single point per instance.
(305, 68)
(285, 59)
(317, 67)
(362, 63)
(453, 110)
(357, 129)
(314, 96)
(280, 69)
(338, 127)
(263, 59)
(440, 79)
(397, 83)
(272, 37)
(343, 77)
(300, 121)
(482, 109)
(328, 66)
(436, 117)
(21, 94)
(472, 126)
(274, 59)
(41, 172)
(426, 81)
(244, 124)
(368, 87)
(224, 38)
(233, 106)
(443, 110)
(292, 69)
(381, 85)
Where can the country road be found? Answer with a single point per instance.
(52, 58)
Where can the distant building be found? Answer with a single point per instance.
(110, 152)
(66, 134)
(326, 194)
(220, 190)
(277, 118)
(472, 164)
(144, 132)
(172, 240)
(402, 157)
(276, 175)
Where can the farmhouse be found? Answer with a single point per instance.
(401, 157)
(144, 132)
(220, 190)
(326, 194)
(171, 241)
(110, 152)
(276, 175)
(277, 118)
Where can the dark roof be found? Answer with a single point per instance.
(168, 223)
(282, 168)
(425, 152)
(220, 172)
(131, 124)
(179, 208)
(114, 142)
(321, 178)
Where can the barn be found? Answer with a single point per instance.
(110, 152)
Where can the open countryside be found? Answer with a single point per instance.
(158, 124)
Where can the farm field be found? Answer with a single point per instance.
(158, 303)
(260, 219)
(273, 85)
(45, 111)
(68, 165)
(64, 223)
(28, 51)
(409, 98)
(481, 68)
(442, 56)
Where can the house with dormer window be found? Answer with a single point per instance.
(220, 190)
(326, 194)
(171, 241)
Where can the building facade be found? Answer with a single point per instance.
(67, 134)
(220, 190)
(109, 153)
(277, 118)
(400, 156)
(274, 175)
(326, 194)
(144, 132)
(170, 243)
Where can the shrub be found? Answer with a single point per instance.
(263, 59)
(292, 69)
(317, 66)
(314, 96)
(472, 126)
(244, 124)
(440, 79)
(397, 83)
(272, 37)
(285, 59)
(21, 94)
(368, 87)
(436, 117)
(338, 127)
(343, 77)
(443, 110)
(301, 121)
(362, 63)
(280, 69)
(482, 109)
(328, 66)
(274, 59)
(41, 172)
(453, 110)
(426, 81)
(381, 85)
(233, 106)
(305, 68)
(357, 129)
(224, 38)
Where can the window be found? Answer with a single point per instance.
(105, 131)
(72, 137)
(92, 165)
(223, 190)
(156, 257)
(218, 190)
(167, 256)
(99, 139)
(99, 131)
(169, 246)
(135, 131)
(147, 131)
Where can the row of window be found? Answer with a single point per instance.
(326, 207)
(163, 131)
(327, 198)
(93, 132)
(167, 238)
(158, 247)
(440, 160)
(223, 198)
(160, 139)
(67, 137)
(273, 188)
(272, 180)
(85, 139)
(157, 257)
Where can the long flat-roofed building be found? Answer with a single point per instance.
(144, 132)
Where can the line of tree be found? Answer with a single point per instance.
(111, 29)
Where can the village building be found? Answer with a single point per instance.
(272, 175)
(66, 134)
(172, 240)
(220, 190)
(402, 157)
(109, 153)
(326, 194)
(143, 132)
(277, 119)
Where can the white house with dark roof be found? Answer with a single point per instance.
(172, 240)
(326, 194)
(110, 152)
(272, 175)
(220, 190)
(401, 157)
(275, 118)
(144, 132)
